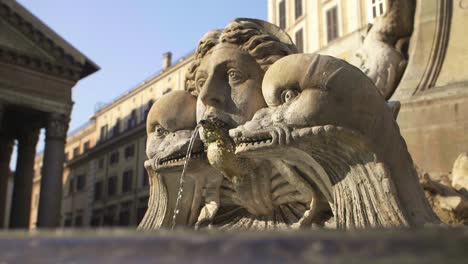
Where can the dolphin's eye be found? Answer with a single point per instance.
(160, 131)
(288, 95)
(235, 76)
(200, 82)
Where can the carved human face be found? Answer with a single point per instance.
(170, 125)
(229, 81)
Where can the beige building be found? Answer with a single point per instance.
(331, 27)
(104, 181)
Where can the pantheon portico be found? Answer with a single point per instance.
(38, 70)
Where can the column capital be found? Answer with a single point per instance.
(57, 126)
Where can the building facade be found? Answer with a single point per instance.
(330, 27)
(104, 182)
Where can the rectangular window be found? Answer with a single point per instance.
(71, 186)
(103, 135)
(124, 214)
(300, 41)
(98, 191)
(114, 158)
(129, 151)
(112, 186)
(147, 108)
(80, 182)
(332, 23)
(127, 181)
(116, 128)
(76, 152)
(101, 163)
(297, 9)
(109, 216)
(132, 121)
(67, 158)
(86, 146)
(78, 221)
(68, 221)
(96, 218)
(282, 14)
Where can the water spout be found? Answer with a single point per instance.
(182, 176)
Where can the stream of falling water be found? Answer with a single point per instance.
(182, 176)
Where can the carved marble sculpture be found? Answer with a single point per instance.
(329, 126)
(170, 123)
(291, 140)
(383, 54)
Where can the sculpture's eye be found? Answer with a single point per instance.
(288, 95)
(235, 76)
(159, 130)
(200, 83)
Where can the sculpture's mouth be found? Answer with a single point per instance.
(256, 141)
(176, 159)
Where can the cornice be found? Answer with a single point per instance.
(40, 39)
(14, 57)
(148, 82)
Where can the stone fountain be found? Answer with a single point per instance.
(287, 140)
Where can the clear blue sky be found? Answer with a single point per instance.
(127, 38)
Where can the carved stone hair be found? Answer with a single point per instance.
(265, 42)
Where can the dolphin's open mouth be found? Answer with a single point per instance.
(178, 158)
(247, 142)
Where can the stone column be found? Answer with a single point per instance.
(23, 179)
(52, 171)
(6, 148)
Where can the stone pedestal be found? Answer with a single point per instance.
(23, 179)
(52, 171)
(427, 245)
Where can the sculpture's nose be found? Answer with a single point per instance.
(213, 92)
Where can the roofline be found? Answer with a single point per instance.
(89, 66)
(159, 75)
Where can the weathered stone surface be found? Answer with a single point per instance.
(434, 88)
(447, 202)
(365, 246)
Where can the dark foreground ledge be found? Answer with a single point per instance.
(126, 246)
